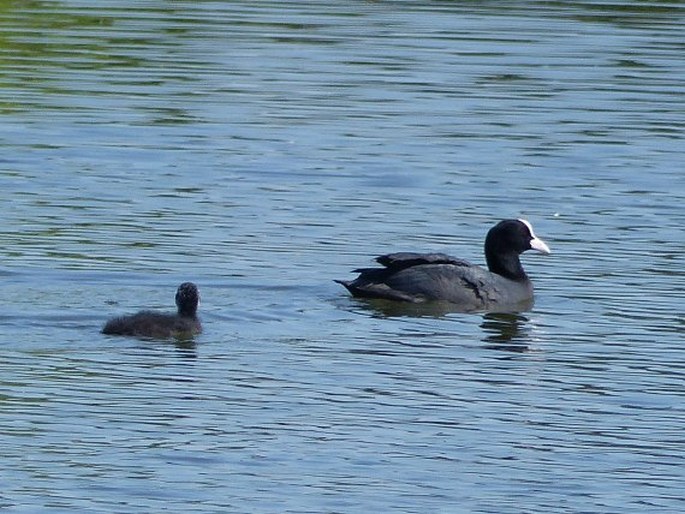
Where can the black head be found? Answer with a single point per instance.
(505, 242)
(187, 299)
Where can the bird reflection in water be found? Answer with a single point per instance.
(506, 331)
(395, 309)
(435, 309)
(186, 347)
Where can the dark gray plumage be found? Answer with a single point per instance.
(157, 325)
(415, 277)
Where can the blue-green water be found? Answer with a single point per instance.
(262, 149)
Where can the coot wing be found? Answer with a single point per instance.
(464, 285)
(402, 260)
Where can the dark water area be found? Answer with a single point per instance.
(264, 149)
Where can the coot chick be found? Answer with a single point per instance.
(157, 325)
(416, 277)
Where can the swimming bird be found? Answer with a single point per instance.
(157, 325)
(417, 277)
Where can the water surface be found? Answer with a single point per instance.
(262, 150)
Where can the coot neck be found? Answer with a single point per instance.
(187, 311)
(506, 264)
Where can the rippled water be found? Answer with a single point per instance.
(264, 149)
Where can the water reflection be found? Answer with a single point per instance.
(506, 331)
(183, 347)
(186, 347)
(394, 309)
(438, 309)
(262, 147)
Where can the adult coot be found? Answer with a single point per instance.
(416, 277)
(160, 325)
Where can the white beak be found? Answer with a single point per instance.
(540, 246)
